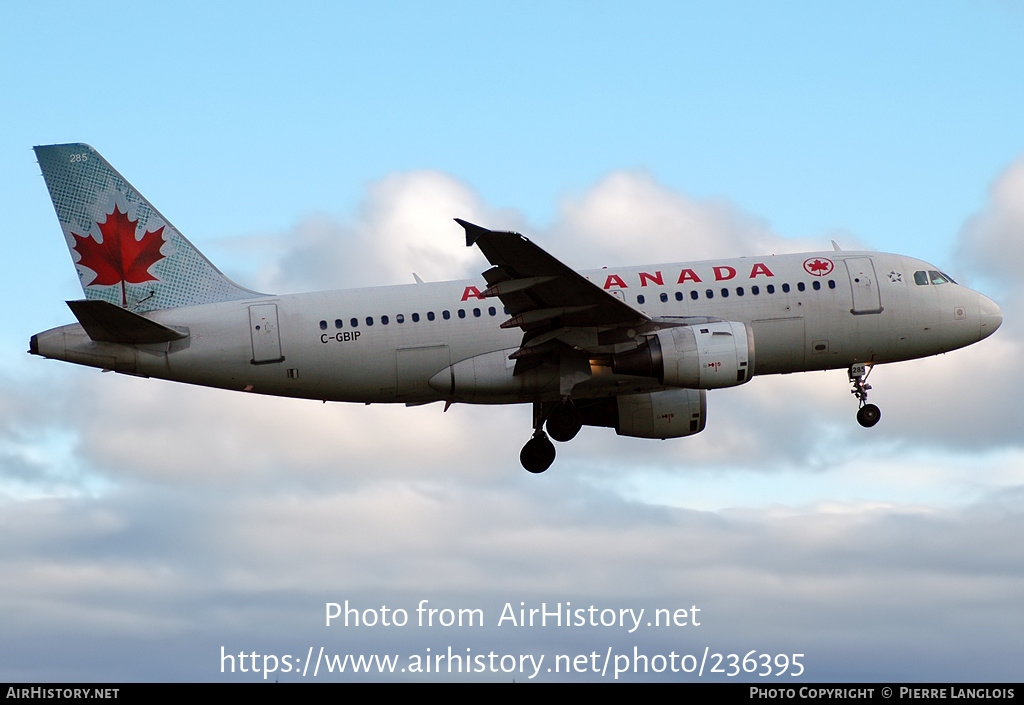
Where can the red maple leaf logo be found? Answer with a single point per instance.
(120, 258)
(818, 267)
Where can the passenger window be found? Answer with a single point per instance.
(462, 313)
(354, 322)
(640, 299)
(770, 288)
(492, 311)
(739, 291)
(694, 295)
(921, 278)
(384, 320)
(831, 284)
(679, 296)
(400, 318)
(816, 285)
(369, 320)
(664, 298)
(323, 325)
(430, 315)
(415, 318)
(446, 315)
(800, 286)
(476, 313)
(785, 288)
(725, 293)
(755, 290)
(710, 294)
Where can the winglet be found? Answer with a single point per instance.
(473, 232)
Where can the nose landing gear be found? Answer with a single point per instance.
(868, 414)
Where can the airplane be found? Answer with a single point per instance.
(631, 348)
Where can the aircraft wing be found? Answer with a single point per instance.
(548, 300)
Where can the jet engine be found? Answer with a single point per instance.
(698, 356)
(670, 413)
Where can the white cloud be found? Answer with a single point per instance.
(253, 569)
(229, 519)
(794, 421)
(184, 435)
(406, 225)
(992, 246)
(629, 218)
(991, 241)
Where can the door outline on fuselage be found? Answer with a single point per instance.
(864, 285)
(266, 338)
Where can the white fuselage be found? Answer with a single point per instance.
(810, 311)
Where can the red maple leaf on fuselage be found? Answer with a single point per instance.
(120, 258)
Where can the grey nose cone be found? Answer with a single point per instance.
(991, 317)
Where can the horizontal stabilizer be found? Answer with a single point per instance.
(104, 322)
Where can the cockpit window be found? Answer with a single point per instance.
(948, 278)
(921, 278)
(937, 278)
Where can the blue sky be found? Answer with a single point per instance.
(329, 145)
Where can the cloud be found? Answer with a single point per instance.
(159, 431)
(405, 225)
(991, 240)
(629, 218)
(992, 247)
(772, 424)
(197, 519)
(253, 569)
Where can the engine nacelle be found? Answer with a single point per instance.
(489, 377)
(701, 356)
(672, 413)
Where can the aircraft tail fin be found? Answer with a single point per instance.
(126, 253)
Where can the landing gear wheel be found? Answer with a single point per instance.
(564, 423)
(868, 415)
(538, 453)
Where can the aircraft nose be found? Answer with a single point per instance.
(991, 316)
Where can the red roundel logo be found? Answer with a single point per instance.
(818, 266)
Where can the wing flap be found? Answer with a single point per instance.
(540, 291)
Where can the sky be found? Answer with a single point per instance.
(329, 145)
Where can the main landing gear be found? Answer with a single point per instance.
(563, 422)
(868, 414)
(538, 453)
